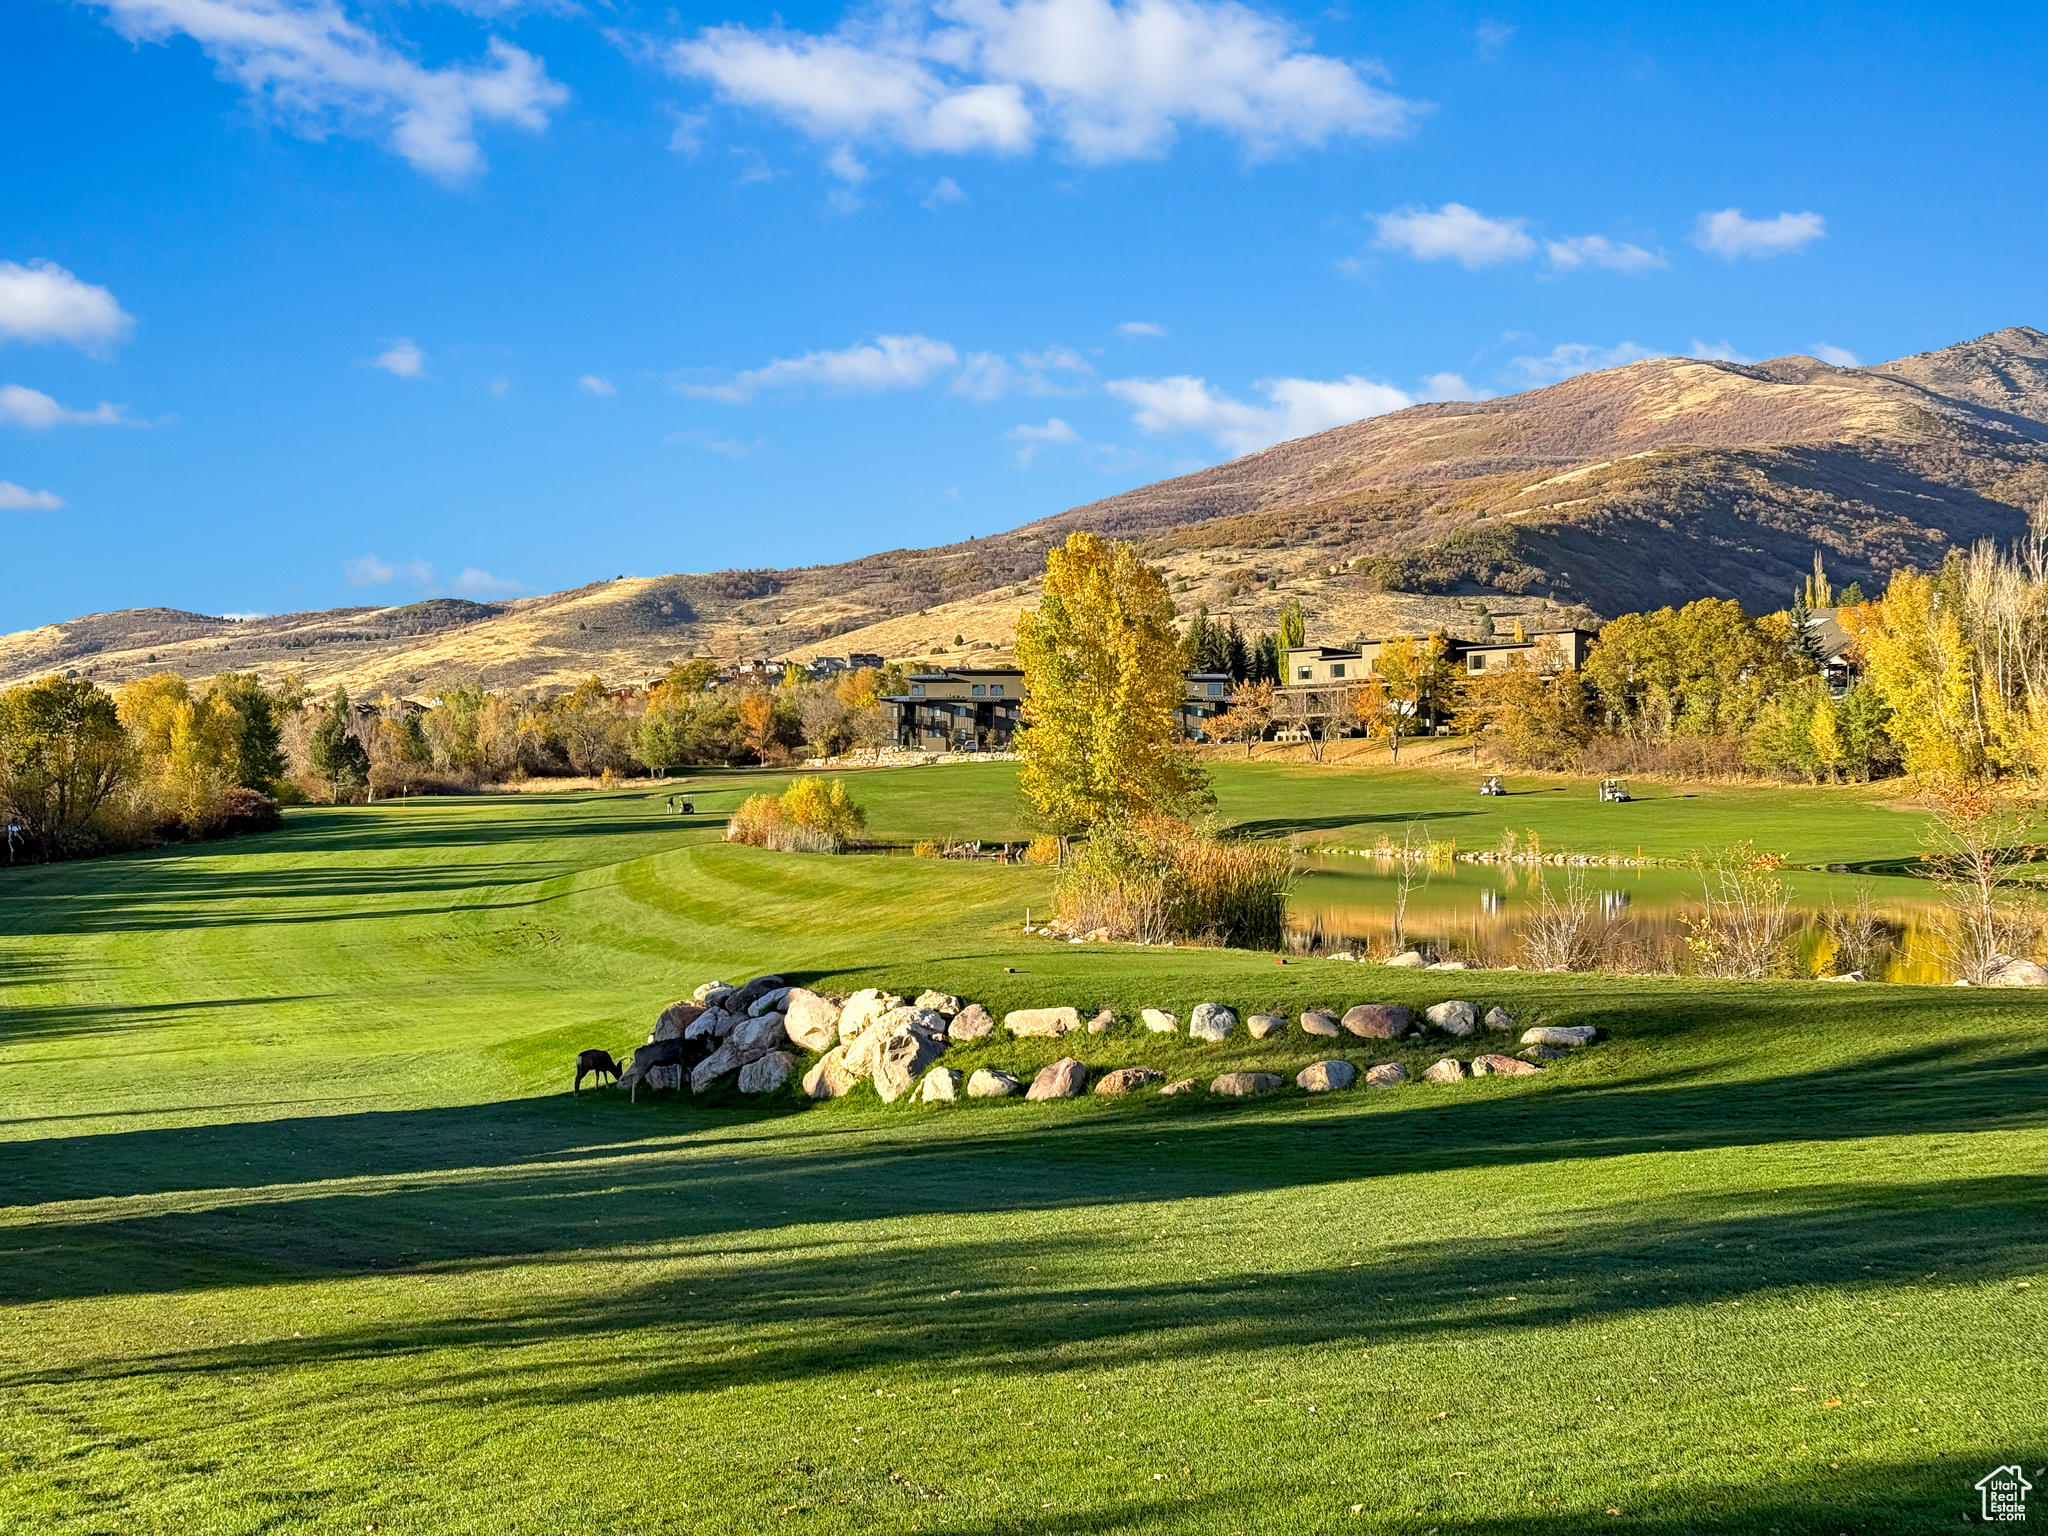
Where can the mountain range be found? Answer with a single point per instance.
(1623, 489)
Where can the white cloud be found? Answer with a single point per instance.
(1598, 251)
(475, 583)
(43, 302)
(1297, 408)
(1449, 386)
(1841, 357)
(239, 617)
(318, 71)
(19, 498)
(1137, 328)
(984, 376)
(593, 384)
(35, 410)
(888, 362)
(945, 190)
(1729, 235)
(1722, 351)
(369, 571)
(847, 166)
(1492, 36)
(500, 385)
(1104, 80)
(1055, 431)
(1455, 233)
(1574, 358)
(402, 359)
(1473, 240)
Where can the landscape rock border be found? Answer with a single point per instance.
(754, 1034)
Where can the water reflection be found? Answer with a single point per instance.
(1480, 913)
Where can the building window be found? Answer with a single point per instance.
(1337, 670)
(995, 690)
(1478, 662)
(1215, 690)
(980, 692)
(917, 690)
(1308, 674)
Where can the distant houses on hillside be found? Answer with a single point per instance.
(977, 709)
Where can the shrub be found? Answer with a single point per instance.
(810, 817)
(242, 810)
(1154, 879)
(1045, 849)
(925, 848)
(1745, 929)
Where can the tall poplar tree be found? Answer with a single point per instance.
(1103, 687)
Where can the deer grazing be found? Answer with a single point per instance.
(599, 1062)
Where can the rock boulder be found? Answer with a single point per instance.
(1062, 1080)
(830, 1076)
(1129, 1079)
(708, 1071)
(1325, 1076)
(766, 1073)
(704, 993)
(1103, 1022)
(1041, 1021)
(1501, 1066)
(941, 1086)
(752, 1036)
(1242, 1085)
(768, 1002)
(1449, 1070)
(812, 1021)
(1388, 1074)
(1159, 1021)
(991, 1083)
(1212, 1022)
(1460, 1019)
(973, 1022)
(2018, 973)
(863, 1008)
(1377, 1021)
(1264, 1026)
(1500, 1021)
(1408, 958)
(1567, 1035)
(753, 992)
(676, 1019)
(1316, 1022)
(938, 1002)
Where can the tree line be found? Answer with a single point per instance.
(84, 770)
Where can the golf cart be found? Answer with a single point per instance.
(1614, 789)
(1491, 785)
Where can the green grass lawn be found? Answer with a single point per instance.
(301, 1230)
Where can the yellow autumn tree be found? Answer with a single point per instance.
(1916, 657)
(1826, 730)
(1103, 687)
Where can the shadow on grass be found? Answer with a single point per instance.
(813, 1304)
(488, 1182)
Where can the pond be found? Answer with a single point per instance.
(1481, 913)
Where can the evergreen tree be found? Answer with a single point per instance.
(1237, 658)
(337, 756)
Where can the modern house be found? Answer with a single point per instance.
(1319, 666)
(1836, 649)
(976, 709)
(962, 709)
(1317, 680)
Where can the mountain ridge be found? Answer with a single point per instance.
(1657, 481)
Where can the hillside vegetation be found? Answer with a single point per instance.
(1619, 490)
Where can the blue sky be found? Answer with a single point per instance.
(311, 302)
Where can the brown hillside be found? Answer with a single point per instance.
(1627, 488)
